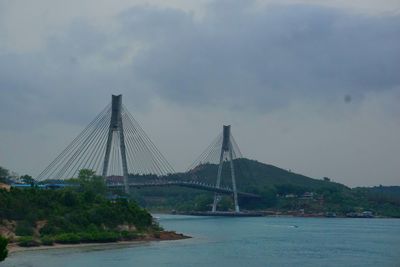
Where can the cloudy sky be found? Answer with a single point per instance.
(311, 86)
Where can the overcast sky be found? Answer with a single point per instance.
(311, 86)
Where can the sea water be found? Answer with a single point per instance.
(228, 241)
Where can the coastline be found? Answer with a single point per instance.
(164, 236)
(263, 213)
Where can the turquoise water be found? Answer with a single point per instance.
(262, 241)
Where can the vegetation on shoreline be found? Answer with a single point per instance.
(83, 214)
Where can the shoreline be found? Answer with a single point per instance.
(167, 236)
(269, 214)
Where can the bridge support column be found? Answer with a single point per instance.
(216, 195)
(227, 150)
(235, 197)
(116, 126)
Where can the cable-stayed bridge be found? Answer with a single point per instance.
(115, 145)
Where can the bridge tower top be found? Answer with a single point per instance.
(116, 106)
(226, 133)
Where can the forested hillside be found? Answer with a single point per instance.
(280, 190)
(252, 176)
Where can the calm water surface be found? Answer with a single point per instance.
(264, 241)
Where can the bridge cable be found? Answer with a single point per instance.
(59, 159)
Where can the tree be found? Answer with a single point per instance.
(28, 179)
(326, 179)
(3, 248)
(269, 198)
(202, 202)
(225, 203)
(85, 176)
(3, 175)
(91, 183)
(3, 172)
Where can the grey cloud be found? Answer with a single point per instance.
(264, 57)
(235, 56)
(60, 83)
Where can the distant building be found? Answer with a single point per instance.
(330, 214)
(364, 214)
(307, 195)
(367, 214)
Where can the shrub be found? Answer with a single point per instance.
(28, 241)
(102, 237)
(47, 240)
(67, 238)
(49, 229)
(3, 248)
(106, 236)
(126, 235)
(86, 237)
(24, 229)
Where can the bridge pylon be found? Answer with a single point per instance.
(116, 126)
(226, 152)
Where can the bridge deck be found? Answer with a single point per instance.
(189, 184)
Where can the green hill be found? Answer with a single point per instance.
(252, 176)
